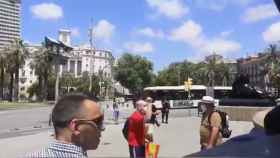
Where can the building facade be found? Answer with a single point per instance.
(80, 60)
(10, 11)
(255, 67)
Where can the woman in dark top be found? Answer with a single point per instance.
(154, 116)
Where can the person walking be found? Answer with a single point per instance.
(78, 123)
(165, 111)
(211, 120)
(136, 130)
(116, 112)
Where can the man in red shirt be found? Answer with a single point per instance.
(136, 130)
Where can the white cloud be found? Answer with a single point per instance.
(75, 31)
(173, 9)
(219, 5)
(104, 30)
(192, 34)
(260, 12)
(221, 46)
(272, 34)
(189, 32)
(136, 47)
(242, 2)
(226, 33)
(47, 11)
(149, 32)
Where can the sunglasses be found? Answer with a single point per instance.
(96, 122)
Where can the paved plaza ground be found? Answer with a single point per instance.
(178, 138)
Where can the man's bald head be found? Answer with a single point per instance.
(141, 106)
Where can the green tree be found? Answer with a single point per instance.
(134, 72)
(178, 72)
(67, 81)
(34, 90)
(275, 78)
(169, 76)
(218, 73)
(3, 64)
(82, 84)
(42, 64)
(17, 53)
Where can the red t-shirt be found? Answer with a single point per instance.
(136, 129)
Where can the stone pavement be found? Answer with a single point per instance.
(178, 138)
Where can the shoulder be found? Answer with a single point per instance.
(136, 116)
(215, 119)
(38, 154)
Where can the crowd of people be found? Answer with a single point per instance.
(78, 123)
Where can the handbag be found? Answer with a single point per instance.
(152, 150)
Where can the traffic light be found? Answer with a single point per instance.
(188, 84)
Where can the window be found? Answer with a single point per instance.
(79, 68)
(72, 66)
(65, 67)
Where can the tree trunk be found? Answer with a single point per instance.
(17, 84)
(45, 86)
(57, 79)
(41, 90)
(11, 87)
(2, 84)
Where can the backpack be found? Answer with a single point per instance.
(125, 129)
(225, 131)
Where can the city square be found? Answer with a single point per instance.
(178, 138)
(150, 78)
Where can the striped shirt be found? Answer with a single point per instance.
(59, 150)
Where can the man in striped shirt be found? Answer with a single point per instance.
(78, 122)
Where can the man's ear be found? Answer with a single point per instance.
(74, 127)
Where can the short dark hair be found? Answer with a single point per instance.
(66, 109)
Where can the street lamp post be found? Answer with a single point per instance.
(91, 72)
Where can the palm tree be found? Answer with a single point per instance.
(217, 71)
(18, 54)
(3, 58)
(211, 66)
(42, 64)
(11, 70)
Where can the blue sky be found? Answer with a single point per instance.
(164, 31)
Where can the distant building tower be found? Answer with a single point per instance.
(65, 36)
(9, 21)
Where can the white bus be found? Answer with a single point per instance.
(178, 97)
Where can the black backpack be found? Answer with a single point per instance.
(225, 131)
(125, 129)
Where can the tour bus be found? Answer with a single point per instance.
(179, 97)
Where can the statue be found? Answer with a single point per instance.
(211, 78)
(242, 89)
